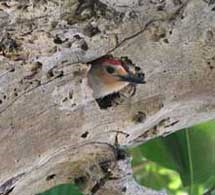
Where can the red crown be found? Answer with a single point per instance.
(111, 61)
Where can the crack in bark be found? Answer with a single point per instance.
(72, 147)
(11, 69)
(173, 16)
(9, 185)
(132, 36)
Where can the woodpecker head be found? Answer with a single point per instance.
(108, 75)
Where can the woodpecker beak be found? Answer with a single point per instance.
(137, 78)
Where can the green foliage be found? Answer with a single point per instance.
(64, 189)
(189, 152)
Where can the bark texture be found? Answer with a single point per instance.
(53, 131)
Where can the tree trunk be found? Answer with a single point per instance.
(53, 131)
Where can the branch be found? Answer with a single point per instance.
(53, 131)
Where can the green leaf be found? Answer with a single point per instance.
(190, 152)
(63, 189)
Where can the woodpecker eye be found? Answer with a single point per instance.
(110, 69)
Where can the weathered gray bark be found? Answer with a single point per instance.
(51, 129)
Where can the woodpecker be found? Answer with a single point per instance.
(108, 75)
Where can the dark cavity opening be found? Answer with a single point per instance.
(85, 134)
(50, 177)
(107, 101)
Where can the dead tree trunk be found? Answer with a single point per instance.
(53, 131)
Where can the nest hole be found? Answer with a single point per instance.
(107, 101)
(50, 177)
(85, 134)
